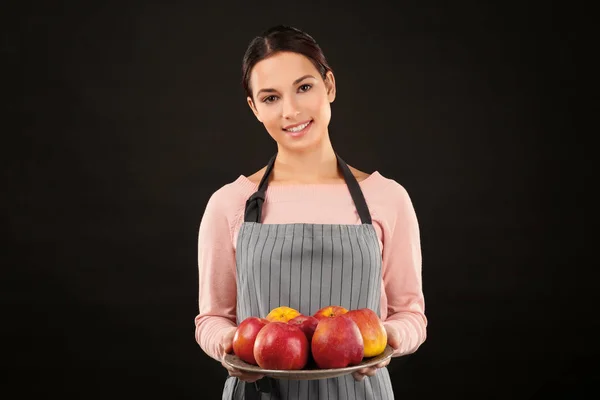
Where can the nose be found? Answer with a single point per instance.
(290, 108)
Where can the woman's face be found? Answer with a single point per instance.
(292, 100)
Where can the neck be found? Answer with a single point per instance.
(317, 165)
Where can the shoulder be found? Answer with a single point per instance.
(224, 211)
(385, 189)
(388, 197)
(229, 200)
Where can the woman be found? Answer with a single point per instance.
(307, 230)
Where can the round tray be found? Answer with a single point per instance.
(311, 372)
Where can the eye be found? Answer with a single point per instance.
(305, 87)
(269, 99)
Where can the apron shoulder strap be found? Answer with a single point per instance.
(356, 192)
(253, 212)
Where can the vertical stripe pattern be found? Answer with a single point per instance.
(307, 267)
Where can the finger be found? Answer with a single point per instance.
(226, 343)
(223, 351)
(232, 371)
(383, 364)
(358, 376)
(366, 371)
(393, 336)
(371, 371)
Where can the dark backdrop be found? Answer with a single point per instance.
(124, 117)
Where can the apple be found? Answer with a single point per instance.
(282, 314)
(281, 346)
(372, 330)
(306, 323)
(337, 343)
(245, 336)
(330, 311)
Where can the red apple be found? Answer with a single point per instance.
(372, 330)
(306, 323)
(337, 343)
(330, 311)
(245, 336)
(281, 346)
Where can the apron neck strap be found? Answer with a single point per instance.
(254, 204)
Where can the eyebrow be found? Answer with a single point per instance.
(295, 82)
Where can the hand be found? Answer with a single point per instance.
(394, 341)
(226, 346)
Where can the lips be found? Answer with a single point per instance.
(298, 129)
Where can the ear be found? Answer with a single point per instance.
(253, 108)
(330, 86)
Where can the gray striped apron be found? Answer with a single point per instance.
(307, 267)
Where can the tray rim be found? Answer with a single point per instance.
(307, 374)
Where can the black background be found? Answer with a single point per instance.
(124, 117)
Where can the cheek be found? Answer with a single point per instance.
(323, 110)
(272, 121)
(317, 106)
(269, 115)
(326, 111)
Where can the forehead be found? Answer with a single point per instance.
(280, 70)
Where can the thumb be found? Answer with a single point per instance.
(225, 346)
(223, 351)
(227, 341)
(393, 336)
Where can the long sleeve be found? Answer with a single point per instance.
(217, 276)
(402, 271)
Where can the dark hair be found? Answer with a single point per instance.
(281, 38)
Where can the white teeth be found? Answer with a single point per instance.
(298, 128)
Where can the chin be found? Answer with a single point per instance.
(300, 146)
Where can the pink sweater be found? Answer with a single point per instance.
(394, 219)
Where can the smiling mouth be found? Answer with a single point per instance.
(298, 128)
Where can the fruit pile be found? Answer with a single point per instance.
(333, 337)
